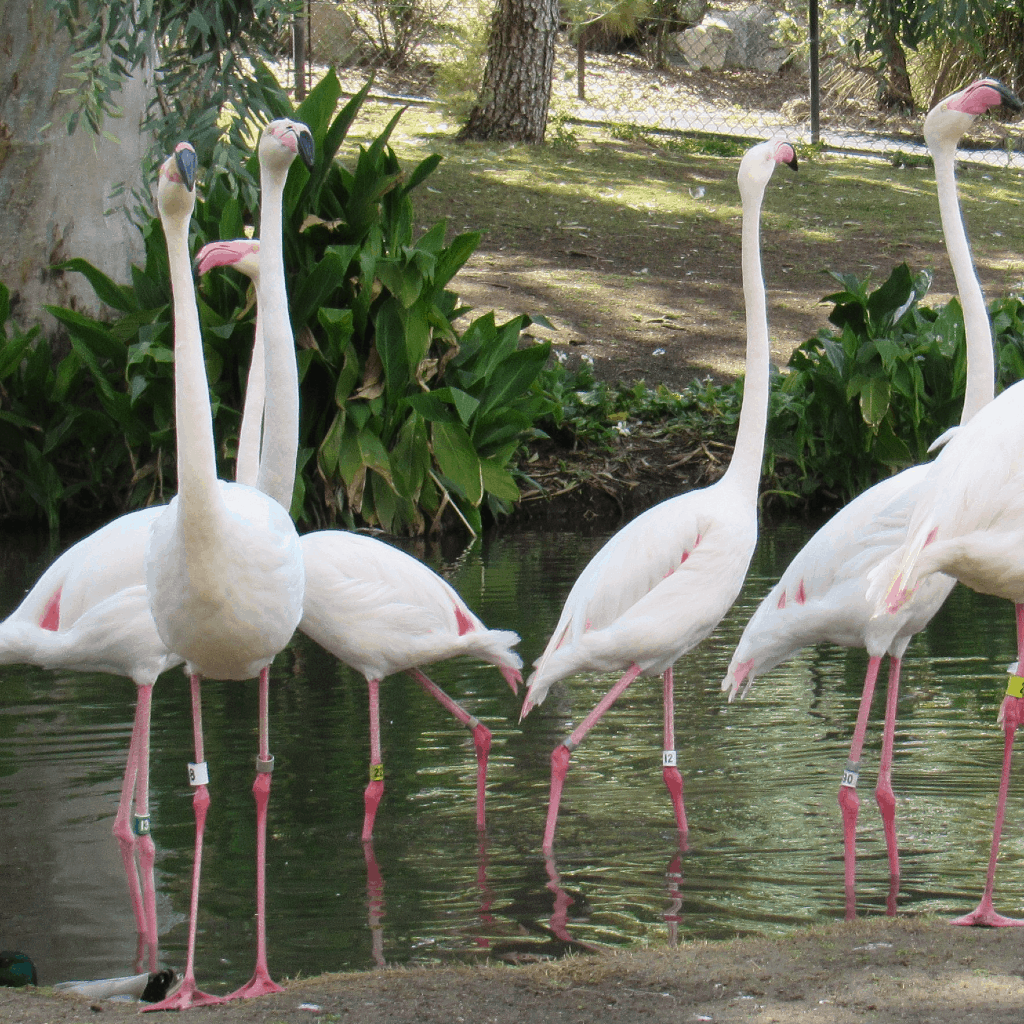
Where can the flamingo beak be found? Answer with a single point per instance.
(307, 147)
(187, 163)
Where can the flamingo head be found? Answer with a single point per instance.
(282, 140)
(241, 253)
(176, 182)
(760, 161)
(951, 117)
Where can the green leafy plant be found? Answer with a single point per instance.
(868, 397)
(57, 449)
(404, 417)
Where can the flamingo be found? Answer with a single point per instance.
(89, 612)
(821, 595)
(224, 566)
(968, 523)
(665, 580)
(244, 255)
(372, 605)
(382, 611)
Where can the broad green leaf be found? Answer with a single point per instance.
(498, 480)
(114, 295)
(458, 460)
(874, 401)
(391, 347)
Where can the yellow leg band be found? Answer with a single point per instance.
(376, 773)
(1015, 687)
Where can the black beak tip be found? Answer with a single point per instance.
(188, 165)
(307, 149)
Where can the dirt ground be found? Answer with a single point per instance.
(673, 308)
(879, 969)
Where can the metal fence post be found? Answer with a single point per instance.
(812, 26)
(299, 56)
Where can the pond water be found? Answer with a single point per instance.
(765, 851)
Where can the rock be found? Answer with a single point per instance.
(751, 45)
(332, 35)
(705, 45)
(733, 39)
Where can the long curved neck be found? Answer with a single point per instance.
(250, 432)
(197, 464)
(281, 416)
(745, 467)
(980, 358)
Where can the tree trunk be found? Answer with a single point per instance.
(513, 103)
(897, 92)
(55, 189)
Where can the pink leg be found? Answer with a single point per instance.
(1011, 714)
(141, 826)
(561, 754)
(672, 916)
(374, 904)
(669, 771)
(260, 984)
(375, 789)
(563, 901)
(884, 796)
(122, 829)
(486, 895)
(189, 994)
(984, 913)
(481, 737)
(848, 801)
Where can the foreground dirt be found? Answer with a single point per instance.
(879, 969)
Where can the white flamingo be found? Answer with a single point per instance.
(821, 595)
(664, 581)
(90, 610)
(376, 608)
(223, 565)
(968, 522)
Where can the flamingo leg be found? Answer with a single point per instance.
(375, 788)
(188, 994)
(849, 803)
(669, 771)
(884, 796)
(561, 754)
(141, 826)
(673, 915)
(123, 832)
(486, 894)
(1011, 715)
(563, 901)
(261, 984)
(374, 904)
(481, 737)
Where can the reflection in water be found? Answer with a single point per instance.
(765, 837)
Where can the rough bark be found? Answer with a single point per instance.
(513, 103)
(897, 92)
(55, 189)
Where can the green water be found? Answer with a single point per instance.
(765, 851)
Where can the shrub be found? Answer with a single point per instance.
(403, 418)
(867, 398)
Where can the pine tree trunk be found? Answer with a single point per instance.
(513, 103)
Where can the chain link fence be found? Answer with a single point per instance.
(715, 67)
